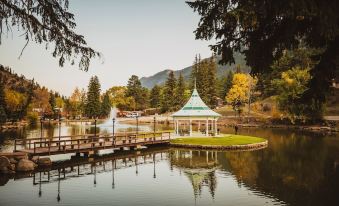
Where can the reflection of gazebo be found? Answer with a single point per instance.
(198, 166)
(196, 110)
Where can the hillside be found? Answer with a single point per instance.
(15, 82)
(160, 77)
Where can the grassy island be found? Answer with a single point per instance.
(222, 142)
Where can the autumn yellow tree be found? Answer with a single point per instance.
(241, 91)
(15, 103)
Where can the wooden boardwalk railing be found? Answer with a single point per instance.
(87, 143)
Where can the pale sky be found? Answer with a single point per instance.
(138, 37)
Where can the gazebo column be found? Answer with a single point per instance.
(215, 122)
(177, 122)
(175, 126)
(212, 126)
(206, 127)
(190, 127)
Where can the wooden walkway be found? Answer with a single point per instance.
(87, 144)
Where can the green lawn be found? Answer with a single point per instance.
(226, 140)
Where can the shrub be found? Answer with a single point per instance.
(32, 117)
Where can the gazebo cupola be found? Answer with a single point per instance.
(196, 110)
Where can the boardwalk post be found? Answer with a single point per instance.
(113, 131)
(137, 118)
(49, 148)
(15, 145)
(95, 127)
(154, 126)
(41, 128)
(78, 141)
(59, 129)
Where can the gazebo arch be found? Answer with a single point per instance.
(196, 110)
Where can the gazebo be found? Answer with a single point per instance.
(196, 110)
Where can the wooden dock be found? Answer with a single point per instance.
(87, 144)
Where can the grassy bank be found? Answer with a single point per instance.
(226, 140)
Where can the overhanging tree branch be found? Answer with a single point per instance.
(47, 21)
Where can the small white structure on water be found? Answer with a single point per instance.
(196, 110)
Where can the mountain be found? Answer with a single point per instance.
(160, 77)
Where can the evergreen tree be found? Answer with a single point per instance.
(155, 97)
(211, 79)
(134, 89)
(143, 100)
(226, 84)
(52, 100)
(3, 115)
(169, 93)
(92, 108)
(180, 92)
(106, 106)
(199, 77)
(194, 73)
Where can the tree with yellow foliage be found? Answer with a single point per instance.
(241, 91)
(291, 86)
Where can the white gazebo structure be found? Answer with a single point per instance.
(196, 110)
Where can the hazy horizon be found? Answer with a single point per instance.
(135, 37)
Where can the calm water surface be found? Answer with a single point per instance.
(295, 169)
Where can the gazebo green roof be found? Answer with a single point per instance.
(195, 107)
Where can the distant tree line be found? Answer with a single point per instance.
(22, 99)
(174, 93)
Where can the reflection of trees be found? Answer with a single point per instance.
(198, 166)
(244, 166)
(293, 169)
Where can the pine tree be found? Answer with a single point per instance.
(194, 73)
(52, 102)
(105, 106)
(155, 96)
(92, 108)
(3, 115)
(169, 93)
(226, 84)
(180, 92)
(211, 80)
(134, 89)
(143, 100)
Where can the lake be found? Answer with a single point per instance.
(297, 168)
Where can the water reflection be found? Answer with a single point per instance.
(295, 169)
(199, 166)
(276, 175)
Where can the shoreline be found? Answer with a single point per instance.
(230, 122)
(223, 122)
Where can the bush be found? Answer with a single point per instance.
(266, 107)
(32, 117)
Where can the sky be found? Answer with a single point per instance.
(138, 37)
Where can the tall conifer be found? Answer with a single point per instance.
(92, 108)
